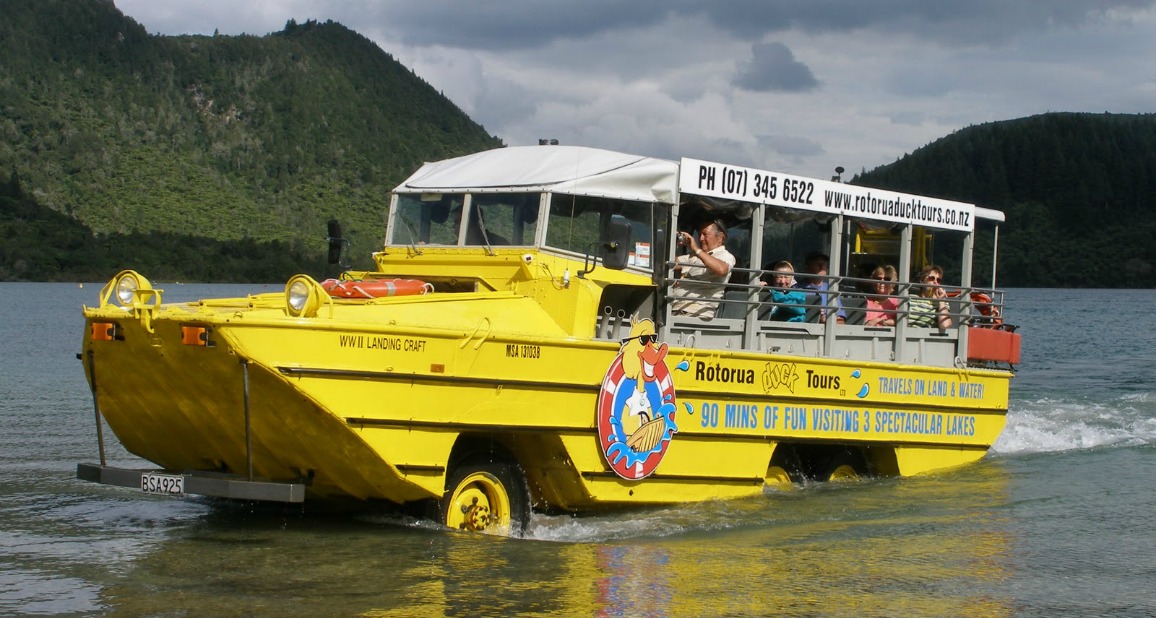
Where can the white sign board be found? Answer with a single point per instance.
(732, 182)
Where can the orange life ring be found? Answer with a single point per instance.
(375, 288)
(988, 313)
(986, 308)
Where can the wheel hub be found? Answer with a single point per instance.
(476, 515)
(479, 503)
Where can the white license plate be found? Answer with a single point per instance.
(166, 484)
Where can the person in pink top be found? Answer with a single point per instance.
(881, 303)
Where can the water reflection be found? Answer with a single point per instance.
(934, 546)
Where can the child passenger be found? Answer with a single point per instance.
(789, 301)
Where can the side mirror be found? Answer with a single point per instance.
(337, 244)
(616, 248)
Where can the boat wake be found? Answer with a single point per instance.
(1054, 425)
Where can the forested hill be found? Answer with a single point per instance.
(226, 137)
(221, 157)
(1079, 191)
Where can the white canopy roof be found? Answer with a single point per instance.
(571, 170)
(576, 170)
(987, 213)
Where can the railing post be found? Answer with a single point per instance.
(834, 261)
(965, 305)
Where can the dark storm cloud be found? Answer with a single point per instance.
(521, 24)
(773, 68)
(512, 24)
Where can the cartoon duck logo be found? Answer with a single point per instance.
(636, 405)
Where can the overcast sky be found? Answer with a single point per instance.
(797, 86)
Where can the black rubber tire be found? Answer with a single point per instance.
(786, 459)
(842, 465)
(484, 477)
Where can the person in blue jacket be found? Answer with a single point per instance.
(816, 280)
(787, 301)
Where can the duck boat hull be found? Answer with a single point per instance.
(522, 374)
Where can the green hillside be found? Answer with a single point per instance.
(1079, 191)
(222, 157)
(229, 138)
(44, 245)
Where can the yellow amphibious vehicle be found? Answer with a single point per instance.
(515, 348)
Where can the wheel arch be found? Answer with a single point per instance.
(810, 460)
(484, 448)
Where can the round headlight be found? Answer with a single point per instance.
(129, 289)
(125, 288)
(303, 296)
(298, 296)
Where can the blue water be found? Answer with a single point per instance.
(1058, 520)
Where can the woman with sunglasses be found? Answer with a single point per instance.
(929, 309)
(881, 305)
(892, 278)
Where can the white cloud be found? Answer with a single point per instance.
(795, 85)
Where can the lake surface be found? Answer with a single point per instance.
(1059, 519)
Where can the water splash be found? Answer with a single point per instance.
(1050, 424)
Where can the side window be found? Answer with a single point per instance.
(641, 217)
(735, 220)
(577, 223)
(790, 235)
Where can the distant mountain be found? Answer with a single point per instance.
(229, 138)
(222, 157)
(1079, 191)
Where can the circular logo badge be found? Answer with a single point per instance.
(636, 408)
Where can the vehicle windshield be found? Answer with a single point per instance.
(426, 218)
(502, 219)
(494, 219)
(576, 224)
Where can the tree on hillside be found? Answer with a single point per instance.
(227, 137)
(1079, 191)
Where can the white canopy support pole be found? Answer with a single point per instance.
(994, 255)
